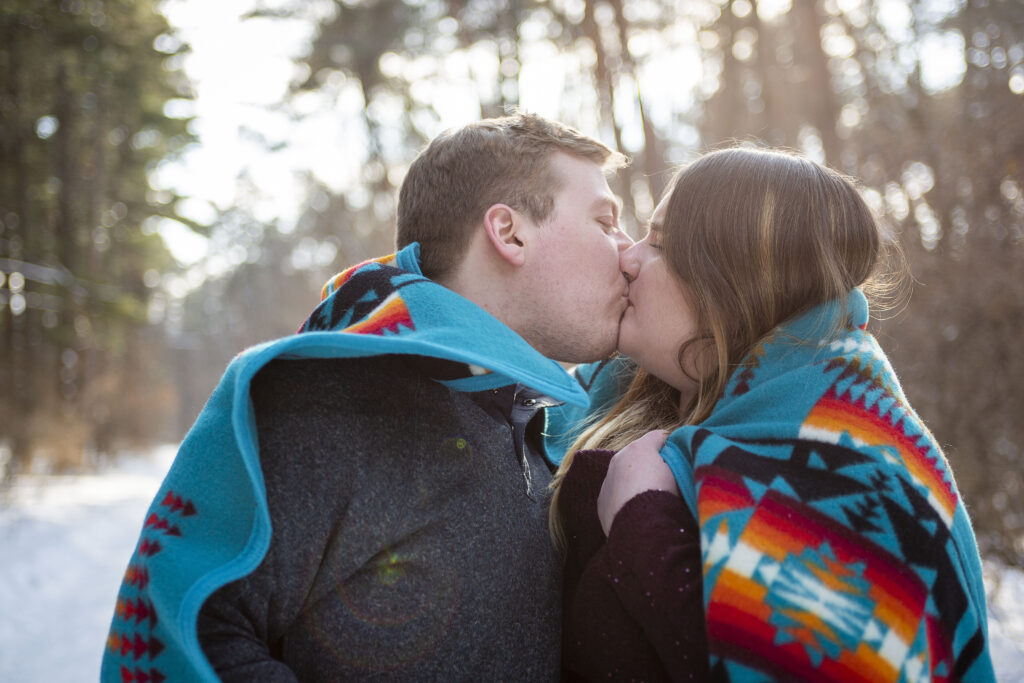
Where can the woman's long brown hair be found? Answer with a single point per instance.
(754, 237)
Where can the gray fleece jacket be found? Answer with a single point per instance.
(409, 533)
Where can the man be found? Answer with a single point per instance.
(367, 499)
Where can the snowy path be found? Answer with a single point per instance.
(65, 541)
(64, 546)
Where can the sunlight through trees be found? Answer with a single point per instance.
(101, 333)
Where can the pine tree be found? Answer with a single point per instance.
(82, 123)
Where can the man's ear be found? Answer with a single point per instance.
(504, 227)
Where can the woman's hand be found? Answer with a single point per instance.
(636, 468)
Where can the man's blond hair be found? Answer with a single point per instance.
(465, 171)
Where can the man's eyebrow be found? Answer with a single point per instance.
(611, 201)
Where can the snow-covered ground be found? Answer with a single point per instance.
(65, 541)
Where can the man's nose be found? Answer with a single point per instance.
(628, 262)
(623, 241)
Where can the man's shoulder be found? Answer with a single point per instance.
(344, 398)
(287, 380)
(319, 406)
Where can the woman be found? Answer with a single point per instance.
(799, 522)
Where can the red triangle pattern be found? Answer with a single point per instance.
(149, 548)
(752, 363)
(135, 644)
(157, 523)
(138, 611)
(743, 382)
(138, 675)
(178, 504)
(136, 576)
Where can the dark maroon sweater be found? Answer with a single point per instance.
(632, 603)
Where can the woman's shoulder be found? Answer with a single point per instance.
(582, 484)
(589, 466)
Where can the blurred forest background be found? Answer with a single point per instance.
(107, 342)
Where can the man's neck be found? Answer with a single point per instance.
(485, 286)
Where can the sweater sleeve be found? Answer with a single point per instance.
(233, 631)
(242, 625)
(653, 553)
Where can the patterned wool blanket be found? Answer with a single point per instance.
(834, 542)
(209, 523)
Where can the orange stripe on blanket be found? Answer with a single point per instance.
(720, 491)
(391, 314)
(344, 276)
(781, 527)
(897, 592)
(739, 602)
(771, 530)
(925, 464)
(738, 635)
(862, 664)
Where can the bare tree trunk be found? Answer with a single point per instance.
(652, 160)
(819, 97)
(11, 133)
(604, 77)
(66, 228)
(508, 50)
(602, 74)
(772, 84)
(722, 112)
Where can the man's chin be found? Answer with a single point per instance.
(593, 356)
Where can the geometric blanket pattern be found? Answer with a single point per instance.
(835, 545)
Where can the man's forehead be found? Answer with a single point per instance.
(584, 179)
(570, 166)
